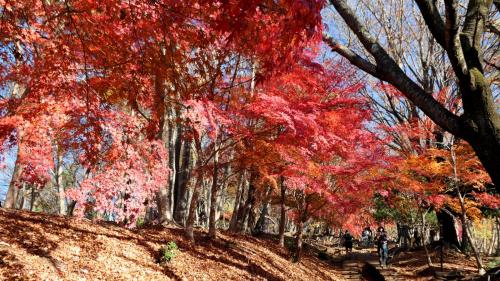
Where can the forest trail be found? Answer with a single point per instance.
(365, 266)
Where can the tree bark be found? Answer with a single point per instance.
(467, 236)
(247, 206)
(59, 182)
(189, 229)
(422, 234)
(258, 229)
(20, 198)
(13, 191)
(463, 217)
(181, 201)
(298, 240)
(281, 232)
(33, 197)
(492, 240)
(237, 203)
(302, 207)
(213, 197)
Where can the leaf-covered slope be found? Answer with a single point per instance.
(36, 246)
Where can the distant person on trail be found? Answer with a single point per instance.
(405, 234)
(418, 239)
(382, 248)
(432, 236)
(366, 236)
(347, 241)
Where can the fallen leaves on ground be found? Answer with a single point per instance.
(36, 246)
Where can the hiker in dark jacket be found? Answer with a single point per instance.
(382, 248)
(347, 241)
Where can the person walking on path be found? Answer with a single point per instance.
(382, 249)
(347, 242)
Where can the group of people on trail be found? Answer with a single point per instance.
(405, 237)
(381, 240)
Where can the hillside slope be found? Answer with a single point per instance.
(36, 246)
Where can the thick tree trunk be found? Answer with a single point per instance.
(192, 207)
(492, 240)
(183, 178)
(71, 208)
(247, 206)
(165, 216)
(11, 198)
(464, 245)
(252, 219)
(168, 134)
(20, 198)
(59, 182)
(212, 220)
(422, 233)
(302, 218)
(173, 157)
(259, 227)
(298, 241)
(497, 251)
(281, 233)
(33, 197)
(13, 191)
(237, 203)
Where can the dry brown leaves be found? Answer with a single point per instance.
(37, 246)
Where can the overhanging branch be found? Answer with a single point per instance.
(387, 70)
(347, 53)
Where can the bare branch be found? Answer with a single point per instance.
(347, 53)
(433, 20)
(387, 70)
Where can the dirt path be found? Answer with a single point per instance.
(365, 266)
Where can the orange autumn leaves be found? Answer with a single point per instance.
(429, 179)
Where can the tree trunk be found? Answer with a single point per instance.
(59, 182)
(237, 203)
(492, 241)
(165, 134)
(183, 179)
(464, 245)
(20, 198)
(12, 194)
(258, 229)
(497, 251)
(422, 233)
(282, 214)
(466, 231)
(247, 206)
(33, 197)
(71, 208)
(213, 197)
(173, 158)
(192, 207)
(13, 191)
(302, 209)
(18, 91)
(298, 241)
